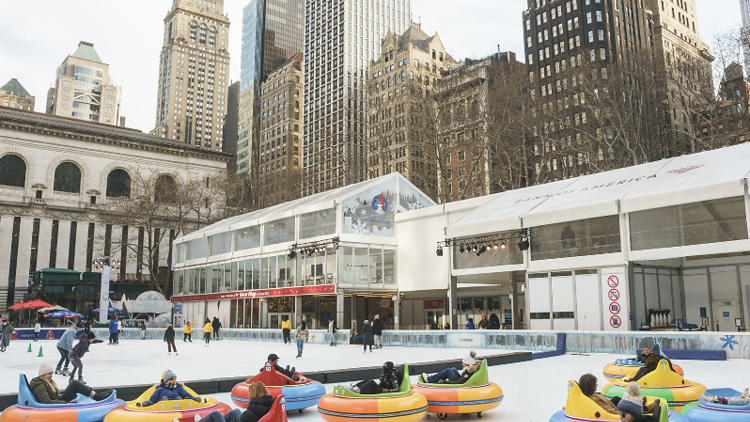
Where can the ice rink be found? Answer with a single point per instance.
(533, 390)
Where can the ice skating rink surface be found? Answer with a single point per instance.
(533, 390)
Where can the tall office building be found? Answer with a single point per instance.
(83, 88)
(194, 74)
(745, 11)
(341, 38)
(14, 95)
(272, 33)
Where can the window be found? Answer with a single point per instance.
(67, 178)
(118, 184)
(212, 38)
(193, 31)
(165, 188)
(576, 238)
(461, 155)
(12, 171)
(204, 29)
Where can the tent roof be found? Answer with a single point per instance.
(703, 176)
(307, 204)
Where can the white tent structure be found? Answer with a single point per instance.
(671, 234)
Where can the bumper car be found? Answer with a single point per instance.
(165, 411)
(580, 408)
(299, 394)
(661, 383)
(404, 405)
(476, 395)
(84, 410)
(704, 411)
(622, 367)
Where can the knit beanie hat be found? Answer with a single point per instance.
(168, 374)
(46, 368)
(631, 401)
(470, 359)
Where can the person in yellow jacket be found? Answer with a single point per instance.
(286, 328)
(207, 330)
(188, 332)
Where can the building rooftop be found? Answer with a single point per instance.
(86, 51)
(93, 129)
(15, 87)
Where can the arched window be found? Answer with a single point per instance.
(193, 31)
(67, 178)
(165, 188)
(118, 184)
(212, 38)
(474, 108)
(12, 171)
(204, 29)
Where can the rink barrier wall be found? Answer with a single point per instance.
(734, 344)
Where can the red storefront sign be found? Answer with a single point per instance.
(385, 303)
(434, 304)
(248, 294)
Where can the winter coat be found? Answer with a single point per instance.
(377, 327)
(469, 325)
(494, 322)
(119, 326)
(483, 324)
(188, 328)
(286, 324)
(466, 374)
(604, 403)
(332, 327)
(177, 393)
(66, 341)
(7, 332)
(37, 327)
(302, 334)
(390, 382)
(113, 326)
(642, 358)
(257, 408)
(208, 328)
(81, 348)
(43, 391)
(367, 331)
(216, 324)
(169, 334)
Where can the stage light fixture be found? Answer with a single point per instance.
(503, 245)
(439, 252)
(461, 249)
(494, 246)
(523, 244)
(473, 248)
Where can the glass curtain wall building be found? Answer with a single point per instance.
(272, 33)
(341, 38)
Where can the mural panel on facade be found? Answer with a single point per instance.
(372, 211)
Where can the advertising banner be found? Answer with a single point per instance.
(248, 294)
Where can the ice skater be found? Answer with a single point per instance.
(302, 335)
(143, 330)
(332, 331)
(187, 332)
(64, 346)
(46, 391)
(377, 332)
(367, 335)
(112, 331)
(216, 325)
(286, 329)
(76, 354)
(7, 333)
(207, 330)
(37, 329)
(169, 338)
(260, 404)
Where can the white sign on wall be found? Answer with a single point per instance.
(614, 301)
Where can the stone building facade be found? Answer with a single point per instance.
(14, 95)
(58, 174)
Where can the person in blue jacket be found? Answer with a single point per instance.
(169, 389)
(64, 346)
(113, 332)
(470, 324)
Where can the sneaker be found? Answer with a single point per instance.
(293, 371)
(745, 394)
(175, 353)
(197, 418)
(58, 371)
(80, 379)
(297, 357)
(170, 354)
(714, 399)
(441, 382)
(424, 377)
(370, 350)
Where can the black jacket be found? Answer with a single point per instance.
(215, 324)
(169, 334)
(377, 327)
(81, 348)
(367, 330)
(494, 322)
(641, 357)
(257, 408)
(390, 381)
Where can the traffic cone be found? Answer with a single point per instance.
(29, 351)
(40, 355)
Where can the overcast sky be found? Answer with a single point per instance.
(37, 35)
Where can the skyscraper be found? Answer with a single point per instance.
(271, 35)
(341, 38)
(83, 88)
(194, 74)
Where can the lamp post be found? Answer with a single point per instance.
(105, 264)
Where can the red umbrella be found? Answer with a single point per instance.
(37, 304)
(19, 306)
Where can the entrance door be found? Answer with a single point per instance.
(434, 318)
(274, 320)
(724, 313)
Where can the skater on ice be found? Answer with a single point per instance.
(64, 346)
(302, 335)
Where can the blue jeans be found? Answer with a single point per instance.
(447, 373)
(63, 357)
(215, 416)
(300, 345)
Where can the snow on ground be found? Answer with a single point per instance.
(533, 390)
